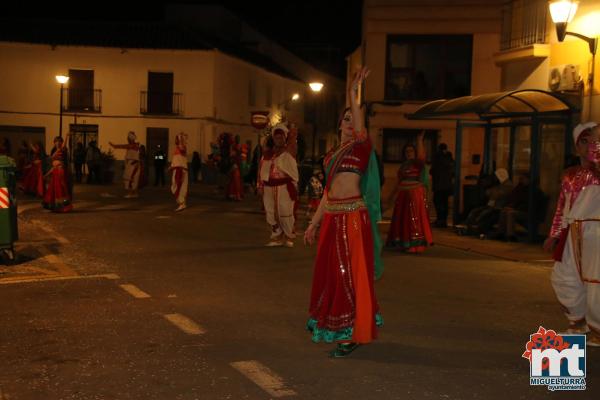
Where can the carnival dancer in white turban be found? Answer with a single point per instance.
(278, 180)
(575, 236)
(179, 170)
(131, 175)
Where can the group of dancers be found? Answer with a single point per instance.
(343, 305)
(54, 184)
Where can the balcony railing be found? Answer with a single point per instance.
(523, 23)
(161, 103)
(82, 100)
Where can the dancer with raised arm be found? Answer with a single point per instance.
(131, 175)
(410, 229)
(343, 305)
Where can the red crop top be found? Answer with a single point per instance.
(353, 160)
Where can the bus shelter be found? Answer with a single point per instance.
(537, 128)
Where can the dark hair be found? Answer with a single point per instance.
(443, 147)
(406, 146)
(339, 125)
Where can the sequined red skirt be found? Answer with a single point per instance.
(343, 305)
(57, 197)
(410, 229)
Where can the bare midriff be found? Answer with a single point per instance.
(344, 185)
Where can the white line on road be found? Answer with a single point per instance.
(44, 226)
(185, 324)
(8, 281)
(134, 291)
(266, 379)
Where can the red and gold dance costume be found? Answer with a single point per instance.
(410, 229)
(343, 306)
(33, 179)
(235, 189)
(574, 181)
(58, 192)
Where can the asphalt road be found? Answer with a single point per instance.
(219, 316)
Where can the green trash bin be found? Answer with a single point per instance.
(9, 232)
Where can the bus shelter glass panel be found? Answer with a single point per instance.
(552, 166)
(501, 148)
(522, 151)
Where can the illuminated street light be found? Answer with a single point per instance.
(563, 12)
(62, 79)
(316, 86)
(295, 97)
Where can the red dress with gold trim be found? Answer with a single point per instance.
(58, 194)
(343, 306)
(410, 229)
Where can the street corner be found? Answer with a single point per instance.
(36, 255)
(34, 261)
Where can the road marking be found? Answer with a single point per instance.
(43, 226)
(266, 379)
(185, 324)
(63, 269)
(8, 281)
(135, 291)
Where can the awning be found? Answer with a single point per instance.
(519, 103)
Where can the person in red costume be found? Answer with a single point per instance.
(343, 306)
(574, 237)
(410, 229)
(58, 194)
(278, 185)
(33, 174)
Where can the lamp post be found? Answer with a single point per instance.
(316, 87)
(62, 79)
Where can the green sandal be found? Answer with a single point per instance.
(343, 350)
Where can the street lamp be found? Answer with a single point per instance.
(316, 87)
(562, 12)
(62, 79)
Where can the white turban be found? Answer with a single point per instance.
(579, 129)
(280, 127)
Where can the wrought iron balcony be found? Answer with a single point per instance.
(82, 100)
(523, 23)
(161, 103)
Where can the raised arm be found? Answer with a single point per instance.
(292, 141)
(357, 114)
(420, 146)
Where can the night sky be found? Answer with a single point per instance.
(295, 24)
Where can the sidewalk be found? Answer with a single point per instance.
(523, 252)
(520, 252)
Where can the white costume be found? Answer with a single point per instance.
(179, 168)
(278, 174)
(576, 277)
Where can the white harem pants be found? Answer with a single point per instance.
(579, 292)
(279, 208)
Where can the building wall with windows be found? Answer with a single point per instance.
(463, 36)
(208, 94)
(529, 53)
